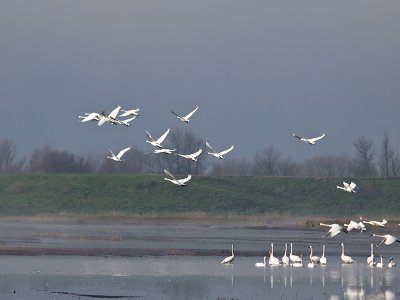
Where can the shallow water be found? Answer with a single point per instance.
(198, 276)
(183, 277)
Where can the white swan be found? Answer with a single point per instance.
(94, 116)
(311, 264)
(131, 112)
(313, 258)
(285, 258)
(323, 260)
(335, 229)
(112, 117)
(192, 156)
(273, 261)
(179, 182)
(262, 264)
(298, 263)
(375, 223)
(292, 257)
(229, 259)
(391, 263)
(126, 122)
(164, 151)
(387, 239)
(218, 154)
(186, 118)
(371, 259)
(119, 155)
(346, 259)
(311, 141)
(354, 225)
(157, 143)
(380, 264)
(351, 188)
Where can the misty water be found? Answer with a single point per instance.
(196, 276)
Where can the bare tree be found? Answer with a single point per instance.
(48, 160)
(288, 167)
(8, 154)
(328, 166)
(363, 163)
(388, 158)
(266, 162)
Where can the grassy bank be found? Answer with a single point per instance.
(143, 194)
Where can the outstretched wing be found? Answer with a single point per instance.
(115, 112)
(90, 117)
(122, 152)
(176, 114)
(353, 185)
(181, 181)
(162, 138)
(194, 155)
(149, 136)
(210, 147)
(169, 174)
(191, 114)
(317, 138)
(102, 120)
(227, 150)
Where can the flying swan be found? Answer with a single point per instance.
(309, 141)
(335, 229)
(156, 143)
(351, 188)
(185, 119)
(192, 156)
(179, 182)
(218, 154)
(387, 239)
(119, 155)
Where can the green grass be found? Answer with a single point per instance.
(24, 194)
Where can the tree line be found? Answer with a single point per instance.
(366, 161)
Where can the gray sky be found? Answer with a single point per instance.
(258, 70)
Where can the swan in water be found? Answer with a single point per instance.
(346, 259)
(156, 143)
(119, 155)
(380, 264)
(273, 261)
(131, 112)
(354, 225)
(185, 119)
(294, 258)
(229, 259)
(351, 188)
(298, 263)
(371, 259)
(262, 264)
(218, 154)
(311, 141)
(335, 229)
(314, 259)
(391, 263)
(375, 223)
(311, 264)
(285, 258)
(323, 260)
(387, 239)
(192, 156)
(179, 182)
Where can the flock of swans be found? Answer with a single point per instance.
(313, 260)
(159, 148)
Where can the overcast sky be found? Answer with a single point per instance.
(258, 70)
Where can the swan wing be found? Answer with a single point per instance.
(196, 153)
(149, 136)
(169, 174)
(210, 147)
(162, 138)
(191, 113)
(122, 152)
(115, 112)
(102, 120)
(317, 138)
(227, 150)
